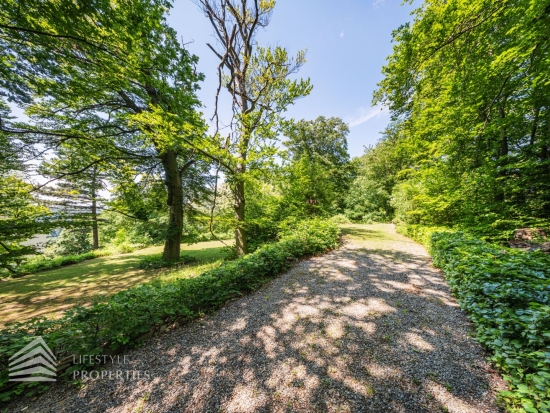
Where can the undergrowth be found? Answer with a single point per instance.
(506, 293)
(127, 317)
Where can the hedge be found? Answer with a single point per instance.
(124, 319)
(40, 263)
(506, 293)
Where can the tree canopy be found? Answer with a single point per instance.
(467, 86)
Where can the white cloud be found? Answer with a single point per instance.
(378, 3)
(365, 113)
(342, 33)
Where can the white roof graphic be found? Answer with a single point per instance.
(35, 358)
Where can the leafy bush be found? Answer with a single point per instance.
(207, 236)
(117, 229)
(125, 318)
(41, 263)
(151, 262)
(72, 241)
(419, 233)
(506, 293)
(340, 219)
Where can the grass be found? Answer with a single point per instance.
(377, 235)
(49, 293)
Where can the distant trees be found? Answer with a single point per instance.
(467, 86)
(378, 170)
(318, 168)
(77, 189)
(257, 79)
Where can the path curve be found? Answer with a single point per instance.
(370, 327)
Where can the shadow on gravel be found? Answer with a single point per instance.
(357, 330)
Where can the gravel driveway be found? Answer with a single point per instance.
(370, 327)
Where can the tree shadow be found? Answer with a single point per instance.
(352, 331)
(49, 293)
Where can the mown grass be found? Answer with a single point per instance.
(377, 235)
(49, 293)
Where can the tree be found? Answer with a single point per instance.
(466, 82)
(319, 171)
(76, 192)
(323, 140)
(109, 79)
(257, 79)
(22, 215)
(379, 169)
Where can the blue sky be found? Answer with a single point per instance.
(347, 42)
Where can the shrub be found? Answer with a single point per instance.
(41, 263)
(340, 219)
(123, 319)
(506, 293)
(156, 261)
(420, 233)
(72, 241)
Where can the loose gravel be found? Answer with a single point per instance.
(371, 327)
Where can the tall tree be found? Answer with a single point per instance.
(111, 79)
(319, 166)
(76, 191)
(468, 83)
(22, 215)
(257, 79)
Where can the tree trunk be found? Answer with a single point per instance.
(240, 230)
(95, 232)
(241, 243)
(503, 153)
(534, 127)
(175, 202)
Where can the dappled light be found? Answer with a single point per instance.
(346, 332)
(164, 125)
(51, 292)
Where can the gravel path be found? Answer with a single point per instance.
(370, 327)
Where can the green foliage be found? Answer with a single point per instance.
(263, 211)
(119, 230)
(111, 86)
(318, 174)
(369, 196)
(506, 293)
(128, 316)
(41, 263)
(72, 242)
(21, 218)
(321, 140)
(367, 200)
(317, 235)
(152, 262)
(340, 219)
(469, 97)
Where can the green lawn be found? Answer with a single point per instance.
(49, 293)
(378, 236)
